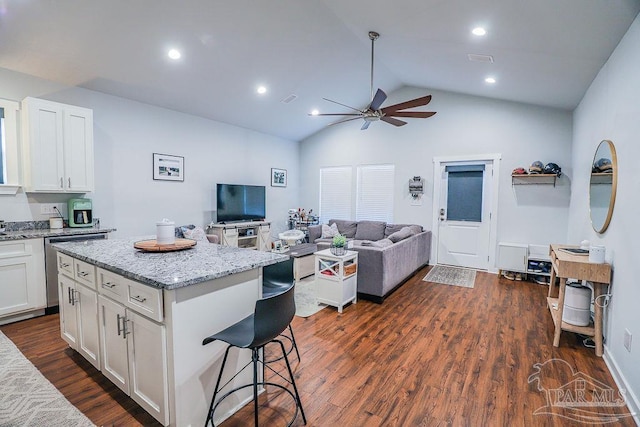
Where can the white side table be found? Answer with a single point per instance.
(336, 278)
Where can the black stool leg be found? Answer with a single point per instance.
(293, 340)
(293, 381)
(254, 359)
(215, 392)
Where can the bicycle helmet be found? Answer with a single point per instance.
(553, 168)
(602, 165)
(536, 167)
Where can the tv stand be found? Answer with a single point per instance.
(250, 235)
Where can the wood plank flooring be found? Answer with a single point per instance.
(430, 355)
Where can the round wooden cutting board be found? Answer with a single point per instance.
(153, 246)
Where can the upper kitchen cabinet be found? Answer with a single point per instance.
(57, 147)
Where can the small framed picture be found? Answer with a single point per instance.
(167, 167)
(278, 177)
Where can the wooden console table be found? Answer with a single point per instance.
(566, 265)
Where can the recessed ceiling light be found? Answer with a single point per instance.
(174, 54)
(261, 90)
(490, 80)
(479, 31)
(315, 112)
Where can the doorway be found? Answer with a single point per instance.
(465, 204)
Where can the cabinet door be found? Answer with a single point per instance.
(264, 238)
(22, 282)
(86, 301)
(44, 136)
(230, 237)
(68, 318)
(148, 365)
(512, 257)
(78, 149)
(113, 343)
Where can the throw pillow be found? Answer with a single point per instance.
(197, 234)
(383, 243)
(405, 232)
(329, 231)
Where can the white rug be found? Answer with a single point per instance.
(306, 302)
(463, 277)
(27, 398)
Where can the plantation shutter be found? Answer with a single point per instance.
(375, 193)
(335, 193)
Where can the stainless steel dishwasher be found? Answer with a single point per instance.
(51, 265)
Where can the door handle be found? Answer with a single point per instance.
(122, 331)
(61, 184)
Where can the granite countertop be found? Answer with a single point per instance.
(168, 270)
(47, 232)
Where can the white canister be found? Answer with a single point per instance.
(165, 232)
(596, 254)
(55, 223)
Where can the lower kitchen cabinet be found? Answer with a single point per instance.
(79, 318)
(22, 279)
(134, 356)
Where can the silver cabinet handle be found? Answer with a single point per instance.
(82, 274)
(122, 331)
(73, 299)
(69, 182)
(69, 294)
(61, 184)
(64, 265)
(108, 285)
(138, 298)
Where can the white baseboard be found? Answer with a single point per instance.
(631, 399)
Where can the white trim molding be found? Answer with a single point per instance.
(630, 398)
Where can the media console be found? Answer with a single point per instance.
(248, 235)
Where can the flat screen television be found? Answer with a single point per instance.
(240, 202)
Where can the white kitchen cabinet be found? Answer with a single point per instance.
(512, 256)
(57, 147)
(79, 312)
(22, 278)
(134, 355)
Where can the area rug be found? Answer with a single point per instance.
(463, 277)
(306, 302)
(27, 398)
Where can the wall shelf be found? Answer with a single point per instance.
(601, 178)
(536, 178)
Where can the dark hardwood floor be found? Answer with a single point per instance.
(430, 355)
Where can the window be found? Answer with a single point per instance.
(3, 168)
(375, 193)
(464, 200)
(335, 193)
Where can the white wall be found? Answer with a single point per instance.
(126, 134)
(610, 110)
(463, 125)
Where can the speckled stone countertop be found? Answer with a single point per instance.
(168, 270)
(47, 232)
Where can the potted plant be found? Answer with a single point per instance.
(338, 245)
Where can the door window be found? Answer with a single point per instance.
(464, 198)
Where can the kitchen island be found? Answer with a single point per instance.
(140, 318)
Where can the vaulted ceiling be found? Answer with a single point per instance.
(545, 52)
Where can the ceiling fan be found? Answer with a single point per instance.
(373, 112)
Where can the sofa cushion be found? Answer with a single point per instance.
(383, 243)
(370, 230)
(392, 228)
(403, 233)
(345, 227)
(329, 231)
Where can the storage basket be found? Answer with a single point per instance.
(350, 269)
(338, 250)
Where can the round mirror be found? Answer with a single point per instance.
(603, 184)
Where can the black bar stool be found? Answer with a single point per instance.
(271, 317)
(277, 278)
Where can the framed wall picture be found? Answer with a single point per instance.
(278, 177)
(167, 167)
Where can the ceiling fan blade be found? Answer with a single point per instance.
(365, 125)
(342, 121)
(417, 114)
(418, 102)
(377, 100)
(336, 114)
(393, 121)
(344, 105)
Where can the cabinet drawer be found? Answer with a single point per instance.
(112, 285)
(65, 265)
(85, 273)
(145, 300)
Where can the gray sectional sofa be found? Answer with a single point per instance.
(387, 253)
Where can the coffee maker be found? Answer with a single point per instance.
(80, 213)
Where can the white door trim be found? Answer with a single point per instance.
(494, 158)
